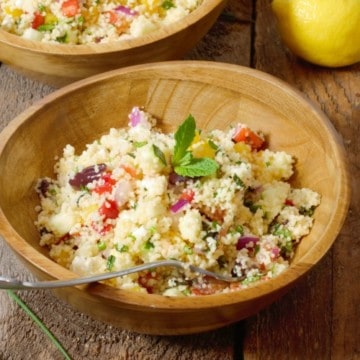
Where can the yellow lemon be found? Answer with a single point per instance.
(323, 32)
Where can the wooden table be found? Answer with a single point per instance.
(318, 319)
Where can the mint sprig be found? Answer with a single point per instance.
(183, 161)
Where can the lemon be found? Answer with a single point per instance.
(323, 32)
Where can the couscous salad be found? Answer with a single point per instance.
(220, 200)
(90, 21)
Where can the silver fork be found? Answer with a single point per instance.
(6, 283)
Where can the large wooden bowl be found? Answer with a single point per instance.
(217, 95)
(61, 64)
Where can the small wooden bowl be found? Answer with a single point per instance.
(217, 95)
(61, 64)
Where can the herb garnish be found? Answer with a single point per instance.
(159, 154)
(167, 4)
(183, 161)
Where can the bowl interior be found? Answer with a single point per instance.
(217, 95)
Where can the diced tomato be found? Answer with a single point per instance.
(187, 195)
(289, 202)
(106, 184)
(70, 8)
(130, 170)
(109, 209)
(147, 281)
(246, 135)
(102, 229)
(38, 20)
(112, 16)
(208, 287)
(63, 238)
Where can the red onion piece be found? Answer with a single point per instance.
(174, 178)
(178, 205)
(135, 116)
(275, 251)
(247, 241)
(125, 10)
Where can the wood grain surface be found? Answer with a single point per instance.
(318, 319)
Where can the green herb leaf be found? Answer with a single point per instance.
(101, 245)
(183, 161)
(238, 181)
(167, 4)
(213, 145)
(183, 138)
(46, 27)
(148, 245)
(198, 167)
(186, 159)
(110, 262)
(159, 154)
(139, 144)
(307, 212)
(121, 248)
(62, 39)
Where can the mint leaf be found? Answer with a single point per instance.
(198, 167)
(159, 154)
(186, 159)
(183, 138)
(183, 160)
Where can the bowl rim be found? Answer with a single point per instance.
(153, 37)
(128, 298)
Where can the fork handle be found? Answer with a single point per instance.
(13, 284)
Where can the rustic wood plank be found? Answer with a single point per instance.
(318, 319)
(83, 337)
(229, 40)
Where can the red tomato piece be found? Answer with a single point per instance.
(208, 287)
(38, 20)
(109, 209)
(246, 135)
(289, 202)
(101, 229)
(70, 8)
(187, 195)
(146, 281)
(106, 184)
(112, 16)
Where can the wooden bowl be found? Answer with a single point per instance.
(217, 95)
(61, 64)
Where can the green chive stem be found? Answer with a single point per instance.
(39, 323)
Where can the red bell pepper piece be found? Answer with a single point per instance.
(37, 21)
(109, 210)
(70, 8)
(246, 135)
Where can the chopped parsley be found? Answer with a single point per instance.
(121, 248)
(110, 262)
(167, 4)
(148, 245)
(159, 154)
